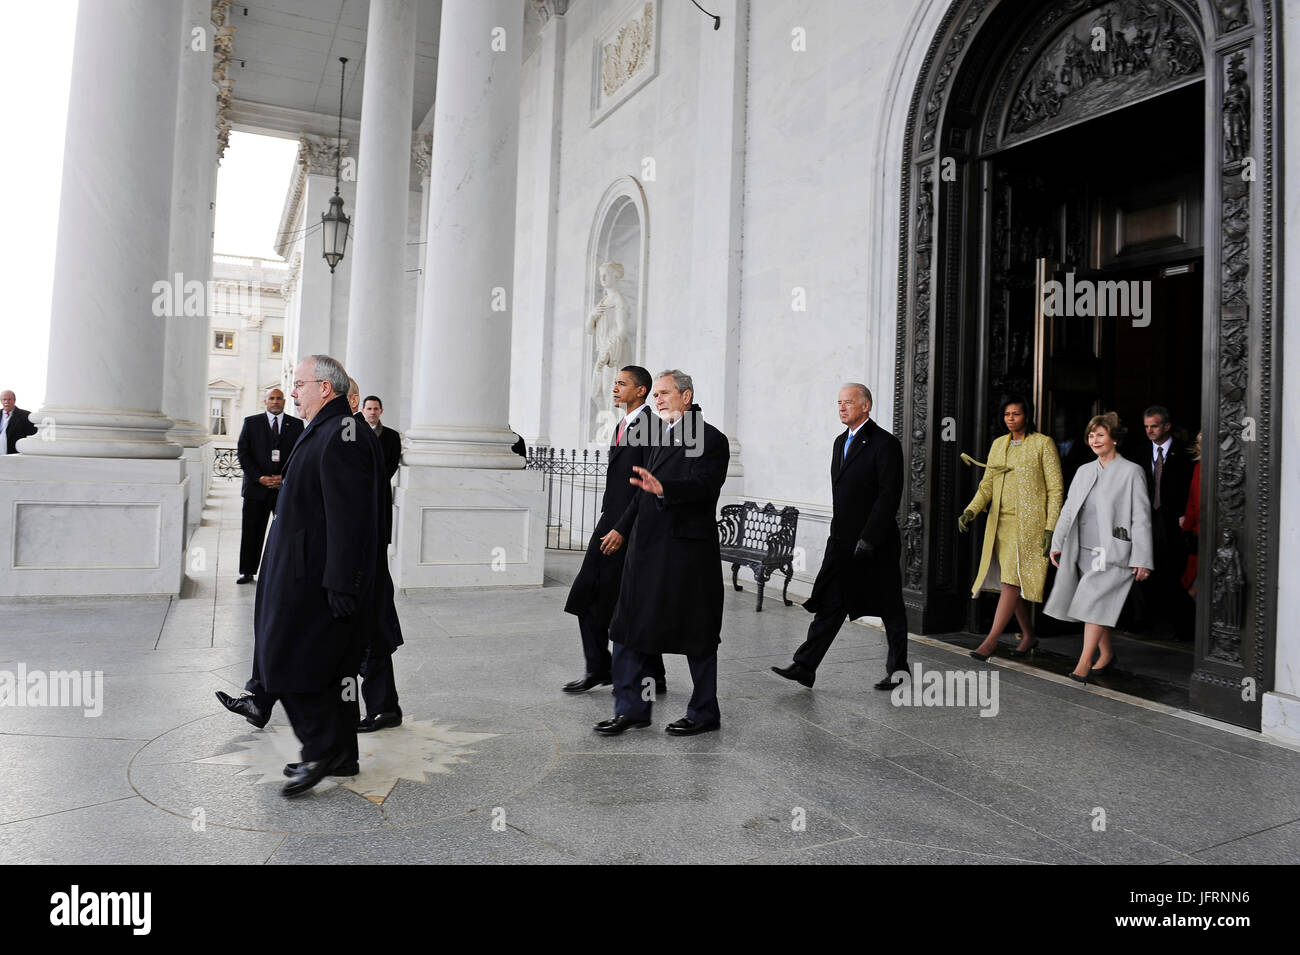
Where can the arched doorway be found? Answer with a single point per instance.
(1123, 141)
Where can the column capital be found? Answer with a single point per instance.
(550, 8)
(319, 155)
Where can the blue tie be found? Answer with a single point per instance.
(847, 441)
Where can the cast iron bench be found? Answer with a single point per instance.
(761, 538)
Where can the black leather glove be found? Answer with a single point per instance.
(341, 604)
(964, 520)
(863, 551)
(1047, 543)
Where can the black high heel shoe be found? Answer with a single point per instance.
(982, 658)
(1017, 654)
(1076, 678)
(1110, 665)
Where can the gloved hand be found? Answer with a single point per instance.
(341, 604)
(1047, 543)
(863, 551)
(963, 522)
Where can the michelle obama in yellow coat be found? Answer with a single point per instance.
(1023, 491)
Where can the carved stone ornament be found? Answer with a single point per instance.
(626, 57)
(1110, 56)
(421, 152)
(319, 155)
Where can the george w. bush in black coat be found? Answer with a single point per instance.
(670, 600)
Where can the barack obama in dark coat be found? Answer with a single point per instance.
(860, 573)
(595, 589)
(316, 588)
(670, 600)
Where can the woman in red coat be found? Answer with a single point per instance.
(1190, 522)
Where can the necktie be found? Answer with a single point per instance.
(275, 429)
(1157, 471)
(622, 426)
(847, 442)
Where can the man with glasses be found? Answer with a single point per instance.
(315, 591)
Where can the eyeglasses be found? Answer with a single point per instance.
(299, 384)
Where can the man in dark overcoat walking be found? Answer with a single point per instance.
(670, 599)
(595, 589)
(316, 588)
(860, 573)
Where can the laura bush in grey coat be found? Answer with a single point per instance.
(1102, 543)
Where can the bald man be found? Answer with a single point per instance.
(264, 443)
(15, 423)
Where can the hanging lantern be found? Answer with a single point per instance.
(334, 224)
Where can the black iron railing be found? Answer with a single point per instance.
(225, 464)
(574, 483)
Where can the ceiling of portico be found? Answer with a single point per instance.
(286, 60)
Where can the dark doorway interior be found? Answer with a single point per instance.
(1114, 199)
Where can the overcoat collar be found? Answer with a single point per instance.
(866, 431)
(636, 422)
(336, 407)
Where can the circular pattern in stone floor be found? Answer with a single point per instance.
(450, 756)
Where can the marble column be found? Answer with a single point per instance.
(194, 184)
(95, 503)
(467, 514)
(383, 183)
(534, 325)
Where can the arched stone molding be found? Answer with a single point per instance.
(620, 232)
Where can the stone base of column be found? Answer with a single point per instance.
(78, 433)
(468, 527)
(90, 526)
(1280, 718)
(192, 458)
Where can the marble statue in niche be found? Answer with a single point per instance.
(610, 325)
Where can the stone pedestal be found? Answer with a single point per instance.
(91, 525)
(468, 515)
(469, 527)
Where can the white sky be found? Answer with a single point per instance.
(251, 185)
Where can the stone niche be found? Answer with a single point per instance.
(619, 234)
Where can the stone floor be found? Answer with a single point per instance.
(495, 764)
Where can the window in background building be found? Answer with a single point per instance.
(223, 341)
(277, 344)
(220, 413)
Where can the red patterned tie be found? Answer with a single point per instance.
(621, 428)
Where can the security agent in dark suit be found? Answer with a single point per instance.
(595, 589)
(390, 442)
(383, 629)
(264, 442)
(317, 586)
(860, 572)
(1168, 466)
(15, 423)
(670, 598)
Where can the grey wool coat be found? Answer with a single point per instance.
(1121, 509)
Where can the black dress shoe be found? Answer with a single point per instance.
(245, 579)
(688, 727)
(245, 707)
(1110, 664)
(347, 769)
(380, 721)
(1076, 678)
(1017, 653)
(661, 687)
(307, 775)
(886, 684)
(619, 724)
(587, 682)
(797, 672)
(981, 657)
